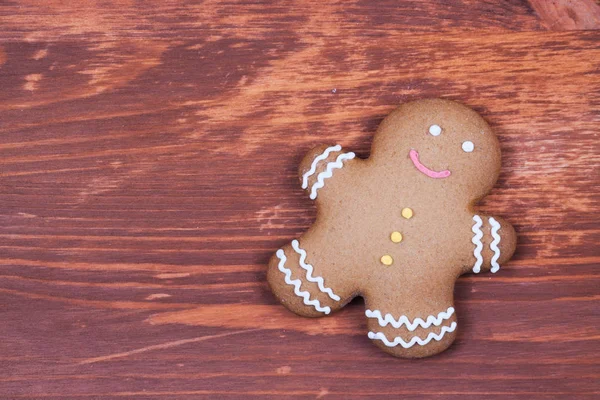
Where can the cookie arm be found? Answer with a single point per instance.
(494, 242)
(319, 166)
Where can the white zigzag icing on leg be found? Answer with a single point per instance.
(411, 326)
(422, 342)
(477, 242)
(313, 166)
(297, 283)
(328, 173)
(494, 245)
(309, 270)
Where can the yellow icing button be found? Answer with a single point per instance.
(387, 260)
(407, 213)
(396, 237)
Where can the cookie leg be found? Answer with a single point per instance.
(408, 324)
(300, 286)
(412, 337)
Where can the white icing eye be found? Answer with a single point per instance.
(468, 146)
(435, 130)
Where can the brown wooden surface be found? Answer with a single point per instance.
(148, 171)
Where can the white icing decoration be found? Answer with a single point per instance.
(328, 173)
(296, 283)
(494, 245)
(399, 341)
(411, 326)
(435, 130)
(313, 166)
(477, 242)
(309, 270)
(468, 146)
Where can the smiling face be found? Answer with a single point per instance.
(445, 145)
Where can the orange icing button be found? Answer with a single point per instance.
(396, 237)
(387, 260)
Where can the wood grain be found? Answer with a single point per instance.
(148, 171)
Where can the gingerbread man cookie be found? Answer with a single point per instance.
(399, 227)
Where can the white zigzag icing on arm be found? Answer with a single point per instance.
(399, 341)
(477, 242)
(403, 320)
(313, 166)
(328, 173)
(309, 270)
(297, 283)
(494, 245)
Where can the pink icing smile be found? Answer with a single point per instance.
(414, 157)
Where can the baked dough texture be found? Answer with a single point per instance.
(399, 227)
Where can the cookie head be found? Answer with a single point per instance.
(444, 144)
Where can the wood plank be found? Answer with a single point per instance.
(584, 14)
(212, 19)
(148, 171)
